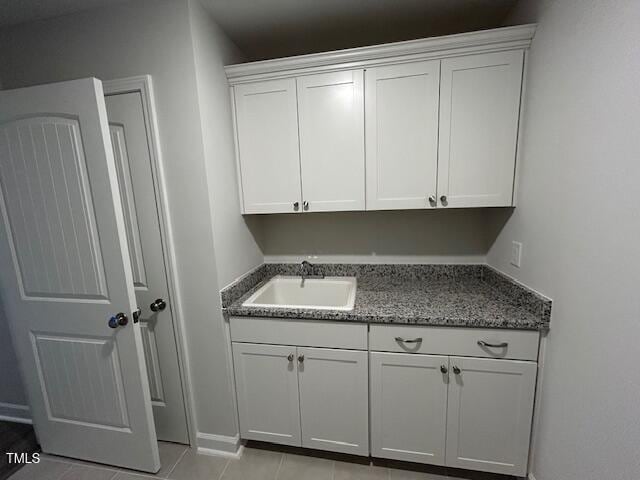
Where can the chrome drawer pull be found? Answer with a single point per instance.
(482, 343)
(415, 340)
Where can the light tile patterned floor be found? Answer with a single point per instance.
(256, 463)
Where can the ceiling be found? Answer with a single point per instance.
(275, 28)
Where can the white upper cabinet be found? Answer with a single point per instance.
(267, 146)
(479, 111)
(401, 105)
(441, 117)
(331, 123)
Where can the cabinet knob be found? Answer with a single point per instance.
(296, 206)
(444, 369)
(301, 358)
(305, 205)
(290, 357)
(432, 199)
(456, 370)
(443, 199)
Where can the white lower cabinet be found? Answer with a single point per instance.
(409, 407)
(489, 414)
(267, 391)
(453, 409)
(333, 400)
(310, 397)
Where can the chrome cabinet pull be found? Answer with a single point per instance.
(432, 199)
(456, 370)
(301, 358)
(482, 343)
(305, 205)
(415, 340)
(296, 206)
(443, 199)
(290, 357)
(443, 369)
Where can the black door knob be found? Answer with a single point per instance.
(158, 306)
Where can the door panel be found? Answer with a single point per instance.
(333, 399)
(131, 148)
(331, 116)
(63, 233)
(408, 407)
(267, 135)
(479, 109)
(267, 390)
(401, 105)
(489, 414)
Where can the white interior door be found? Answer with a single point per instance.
(401, 105)
(66, 271)
(267, 148)
(479, 109)
(331, 117)
(128, 128)
(333, 399)
(267, 392)
(489, 414)
(409, 406)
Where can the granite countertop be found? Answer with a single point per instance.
(467, 300)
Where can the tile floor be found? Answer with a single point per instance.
(258, 462)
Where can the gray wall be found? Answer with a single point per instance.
(236, 247)
(150, 37)
(12, 397)
(579, 221)
(411, 236)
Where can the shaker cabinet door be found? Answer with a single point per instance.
(401, 105)
(267, 146)
(409, 406)
(334, 399)
(267, 391)
(331, 116)
(489, 414)
(479, 110)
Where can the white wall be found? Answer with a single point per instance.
(150, 37)
(13, 402)
(579, 221)
(411, 236)
(236, 247)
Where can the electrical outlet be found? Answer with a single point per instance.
(516, 254)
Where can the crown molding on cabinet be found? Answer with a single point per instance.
(507, 38)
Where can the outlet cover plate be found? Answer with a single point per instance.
(516, 254)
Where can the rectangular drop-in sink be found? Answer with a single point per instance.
(328, 293)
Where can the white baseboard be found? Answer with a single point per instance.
(218, 445)
(11, 412)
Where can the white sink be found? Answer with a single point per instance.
(329, 293)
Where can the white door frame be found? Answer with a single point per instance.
(143, 85)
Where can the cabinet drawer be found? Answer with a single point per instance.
(303, 333)
(520, 344)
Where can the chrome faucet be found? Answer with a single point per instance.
(306, 269)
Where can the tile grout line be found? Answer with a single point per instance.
(69, 467)
(279, 466)
(177, 462)
(224, 470)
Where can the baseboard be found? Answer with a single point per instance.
(11, 412)
(218, 445)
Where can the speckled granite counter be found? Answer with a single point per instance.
(439, 295)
